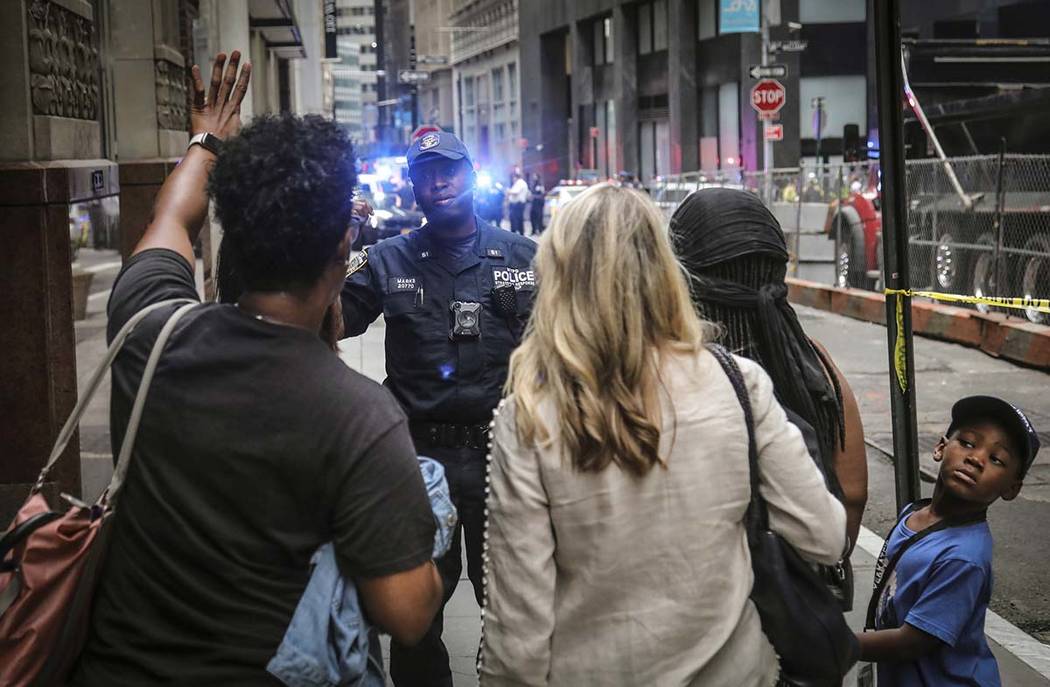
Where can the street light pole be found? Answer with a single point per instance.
(767, 145)
(890, 90)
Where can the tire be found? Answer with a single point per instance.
(983, 281)
(949, 265)
(1035, 276)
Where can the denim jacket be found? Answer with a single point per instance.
(327, 642)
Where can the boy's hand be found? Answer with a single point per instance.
(220, 113)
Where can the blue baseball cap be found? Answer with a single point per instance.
(1011, 418)
(436, 143)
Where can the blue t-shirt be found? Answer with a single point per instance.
(941, 586)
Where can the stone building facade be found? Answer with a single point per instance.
(96, 115)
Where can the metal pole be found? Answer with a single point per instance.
(767, 145)
(1000, 198)
(890, 89)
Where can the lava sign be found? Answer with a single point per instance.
(768, 97)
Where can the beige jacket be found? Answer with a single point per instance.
(608, 579)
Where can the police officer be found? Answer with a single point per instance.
(455, 296)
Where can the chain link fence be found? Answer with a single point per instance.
(985, 232)
(977, 226)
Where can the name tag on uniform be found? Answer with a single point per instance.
(494, 253)
(401, 284)
(511, 276)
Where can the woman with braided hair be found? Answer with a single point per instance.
(734, 252)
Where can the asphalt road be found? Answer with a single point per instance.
(944, 373)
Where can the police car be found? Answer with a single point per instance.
(559, 196)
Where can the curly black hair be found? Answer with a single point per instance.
(283, 192)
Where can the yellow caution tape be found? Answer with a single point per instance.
(1026, 303)
(900, 364)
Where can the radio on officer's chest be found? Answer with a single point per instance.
(465, 320)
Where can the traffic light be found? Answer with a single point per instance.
(851, 148)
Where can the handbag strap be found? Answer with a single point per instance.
(884, 569)
(757, 516)
(128, 445)
(66, 433)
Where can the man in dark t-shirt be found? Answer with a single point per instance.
(257, 444)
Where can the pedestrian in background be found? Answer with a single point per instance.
(455, 296)
(517, 198)
(620, 475)
(257, 444)
(734, 251)
(537, 197)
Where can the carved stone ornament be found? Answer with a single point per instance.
(63, 62)
(171, 96)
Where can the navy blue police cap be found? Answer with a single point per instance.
(1011, 418)
(436, 143)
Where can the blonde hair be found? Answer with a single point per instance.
(611, 298)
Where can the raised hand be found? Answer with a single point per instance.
(220, 112)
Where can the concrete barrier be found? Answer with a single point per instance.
(994, 333)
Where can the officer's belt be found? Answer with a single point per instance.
(443, 435)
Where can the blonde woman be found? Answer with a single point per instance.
(619, 475)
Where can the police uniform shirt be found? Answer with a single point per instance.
(409, 282)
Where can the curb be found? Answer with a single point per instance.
(996, 334)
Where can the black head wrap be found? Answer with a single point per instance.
(734, 251)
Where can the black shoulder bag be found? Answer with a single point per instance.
(801, 618)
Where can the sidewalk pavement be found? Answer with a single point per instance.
(1023, 661)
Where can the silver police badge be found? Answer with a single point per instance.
(357, 262)
(429, 141)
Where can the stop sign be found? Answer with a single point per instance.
(767, 97)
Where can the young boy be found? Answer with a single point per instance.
(930, 600)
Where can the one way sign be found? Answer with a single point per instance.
(768, 71)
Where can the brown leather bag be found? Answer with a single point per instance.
(50, 560)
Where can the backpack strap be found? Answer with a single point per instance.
(757, 516)
(128, 445)
(66, 433)
(884, 569)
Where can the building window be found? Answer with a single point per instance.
(708, 16)
(652, 27)
(497, 85)
(512, 81)
(831, 11)
(610, 137)
(501, 132)
(468, 91)
(729, 125)
(654, 147)
(645, 29)
(603, 41)
(660, 25)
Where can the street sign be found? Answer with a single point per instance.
(774, 132)
(768, 97)
(412, 76)
(331, 51)
(768, 71)
(788, 46)
(432, 59)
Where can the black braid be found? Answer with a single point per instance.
(738, 327)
